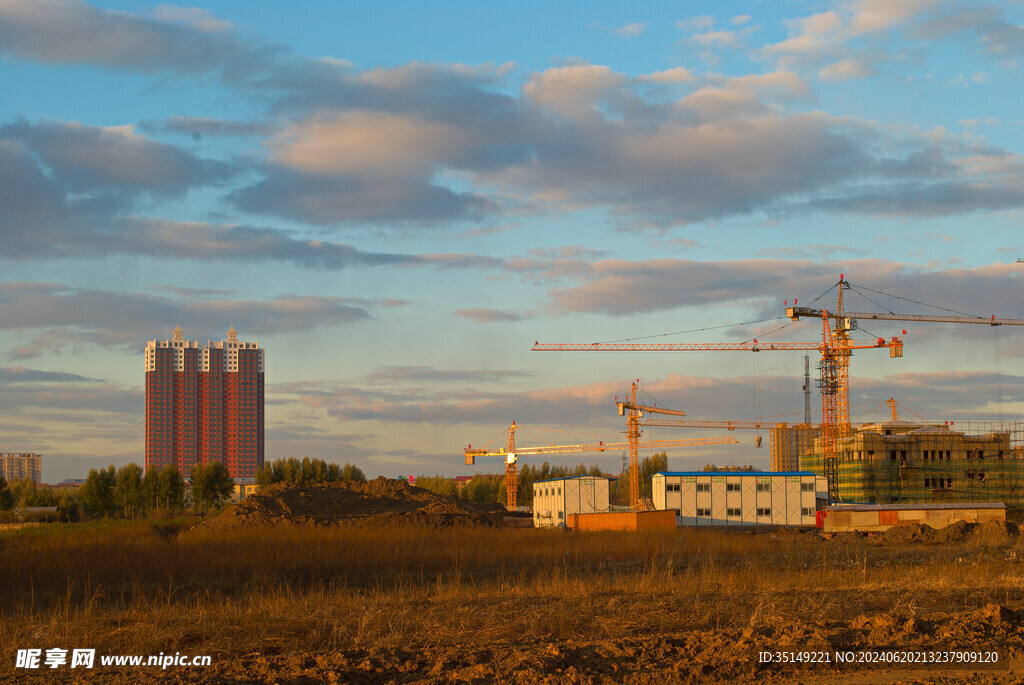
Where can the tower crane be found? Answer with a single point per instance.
(835, 366)
(833, 351)
(511, 452)
(633, 412)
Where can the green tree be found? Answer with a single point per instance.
(6, 499)
(265, 475)
(25, 494)
(307, 471)
(650, 466)
(151, 489)
(170, 491)
(437, 484)
(485, 489)
(350, 472)
(128, 493)
(97, 493)
(69, 507)
(211, 484)
(333, 473)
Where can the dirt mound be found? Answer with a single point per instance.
(996, 532)
(990, 533)
(384, 501)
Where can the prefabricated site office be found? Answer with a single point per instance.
(555, 499)
(732, 498)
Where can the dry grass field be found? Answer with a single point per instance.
(479, 604)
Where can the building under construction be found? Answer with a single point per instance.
(903, 461)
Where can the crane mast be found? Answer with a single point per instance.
(835, 366)
(511, 453)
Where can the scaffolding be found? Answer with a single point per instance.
(906, 462)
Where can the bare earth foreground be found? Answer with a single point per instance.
(383, 583)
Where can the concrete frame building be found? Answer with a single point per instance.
(204, 404)
(554, 500)
(21, 465)
(741, 498)
(911, 462)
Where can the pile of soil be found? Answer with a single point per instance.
(990, 533)
(384, 501)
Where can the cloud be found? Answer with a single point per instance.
(483, 315)
(336, 200)
(33, 395)
(715, 38)
(434, 145)
(631, 30)
(673, 75)
(177, 40)
(201, 19)
(842, 42)
(845, 70)
(696, 23)
(115, 160)
(619, 287)
(197, 127)
(116, 319)
(50, 213)
(872, 16)
(19, 374)
(426, 374)
(367, 143)
(573, 91)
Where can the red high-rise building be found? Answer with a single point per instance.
(204, 404)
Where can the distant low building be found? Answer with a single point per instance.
(788, 441)
(554, 500)
(243, 488)
(740, 498)
(72, 483)
(21, 465)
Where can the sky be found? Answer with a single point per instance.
(397, 199)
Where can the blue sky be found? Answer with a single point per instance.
(398, 199)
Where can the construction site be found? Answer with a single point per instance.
(897, 461)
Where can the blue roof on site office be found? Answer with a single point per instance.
(581, 475)
(736, 473)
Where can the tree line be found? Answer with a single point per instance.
(305, 472)
(126, 492)
(491, 488)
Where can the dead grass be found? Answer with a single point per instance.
(131, 588)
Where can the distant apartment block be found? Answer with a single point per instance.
(205, 403)
(21, 465)
(788, 442)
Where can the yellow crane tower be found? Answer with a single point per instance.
(834, 352)
(835, 365)
(511, 453)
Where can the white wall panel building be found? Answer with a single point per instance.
(554, 500)
(732, 498)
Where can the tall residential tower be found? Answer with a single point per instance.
(204, 404)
